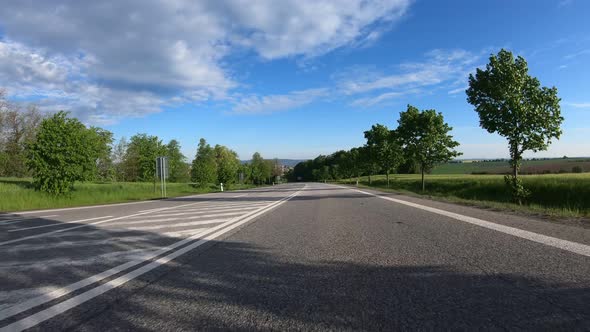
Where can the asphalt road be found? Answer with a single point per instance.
(291, 257)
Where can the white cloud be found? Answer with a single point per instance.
(275, 103)
(440, 67)
(458, 90)
(309, 28)
(167, 50)
(579, 105)
(577, 54)
(371, 101)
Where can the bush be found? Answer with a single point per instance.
(577, 169)
(61, 154)
(519, 192)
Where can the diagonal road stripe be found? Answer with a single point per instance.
(77, 300)
(53, 295)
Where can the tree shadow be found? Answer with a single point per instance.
(26, 184)
(239, 286)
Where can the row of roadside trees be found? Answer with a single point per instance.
(58, 150)
(421, 140)
(220, 164)
(508, 101)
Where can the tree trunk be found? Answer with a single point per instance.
(423, 185)
(387, 177)
(369, 179)
(515, 160)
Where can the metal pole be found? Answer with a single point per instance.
(164, 176)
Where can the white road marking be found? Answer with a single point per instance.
(193, 223)
(45, 264)
(58, 224)
(85, 225)
(57, 309)
(205, 208)
(50, 296)
(570, 246)
(185, 233)
(16, 221)
(82, 207)
(118, 204)
(241, 208)
(242, 195)
(14, 296)
(134, 240)
(148, 221)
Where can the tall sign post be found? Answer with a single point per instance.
(162, 173)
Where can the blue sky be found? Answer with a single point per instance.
(290, 79)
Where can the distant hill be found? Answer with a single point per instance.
(286, 162)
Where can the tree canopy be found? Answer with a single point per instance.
(513, 104)
(425, 138)
(63, 152)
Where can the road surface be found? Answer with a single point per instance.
(291, 257)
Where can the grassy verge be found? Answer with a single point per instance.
(18, 195)
(562, 195)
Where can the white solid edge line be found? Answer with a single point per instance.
(574, 247)
(86, 225)
(34, 302)
(59, 223)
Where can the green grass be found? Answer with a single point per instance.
(561, 195)
(556, 165)
(18, 195)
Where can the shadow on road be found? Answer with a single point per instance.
(238, 286)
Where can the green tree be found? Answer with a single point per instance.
(118, 157)
(245, 173)
(385, 147)
(276, 171)
(101, 141)
(425, 138)
(204, 166)
(178, 169)
(354, 163)
(260, 170)
(18, 128)
(368, 161)
(60, 155)
(513, 104)
(140, 157)
(228, 165)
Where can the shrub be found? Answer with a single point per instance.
(577, 169)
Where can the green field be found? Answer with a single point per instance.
(559, 165)
(18, 195)
(563, 195)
